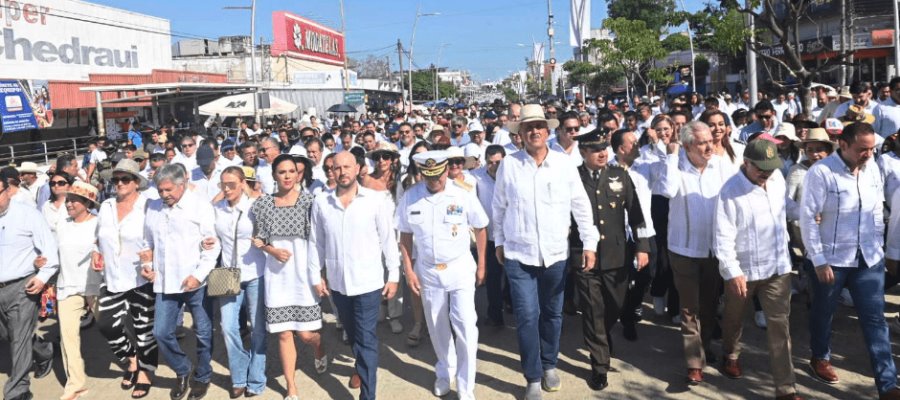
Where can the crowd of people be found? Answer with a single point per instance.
(557, 208)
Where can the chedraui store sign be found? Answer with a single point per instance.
(69, 39)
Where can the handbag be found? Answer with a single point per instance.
(226, 281)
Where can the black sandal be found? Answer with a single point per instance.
(144, 387)
(131, 377)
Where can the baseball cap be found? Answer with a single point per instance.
(763, 154)
(205, 156)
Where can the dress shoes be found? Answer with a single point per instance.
(694, 376)
(355, 381)
(598, 382)
(893, 394)
(236, 392)
(792, 396)
(198, 390)
(732, 368)
(182, 384)
(823, 371)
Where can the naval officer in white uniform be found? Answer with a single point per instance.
(439, 216)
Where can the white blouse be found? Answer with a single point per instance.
(119, 243)
(76, 243)
(250, 259)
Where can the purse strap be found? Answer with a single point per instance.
(237, 222)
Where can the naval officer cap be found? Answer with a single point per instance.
(597, 139)
(432, 163)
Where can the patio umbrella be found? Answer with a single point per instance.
(342, 108)
(242, 104)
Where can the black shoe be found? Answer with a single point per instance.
(639, 314)
(598, 382)
(569, 307)
(181, 387)
(629, 331)
(42, 368)
(198, 390)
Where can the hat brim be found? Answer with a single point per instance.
(89, 200)
(768, 165)
(513, 126)
(805, 142)
(142, 181)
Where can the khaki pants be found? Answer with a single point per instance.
(70, 311)
(775, 297)
(698, 283)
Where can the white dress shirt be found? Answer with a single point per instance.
(265, 178)
(24, 235)
(189, 162)
(750, 224)
(692, 197)
(574, 156)
(174, 234)
(251, 260)
(532, 206)
(851, 209)
(639, 171)
(889, 163)
(484, 189)
(207, 188)
(343, 239)
(892, 251)
(119, 243)
(887, 118)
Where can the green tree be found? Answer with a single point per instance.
(597, 78)
(423, 86)
(632, 51)
(656, 14)
(676, 42)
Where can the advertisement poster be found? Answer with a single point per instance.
(16, 112)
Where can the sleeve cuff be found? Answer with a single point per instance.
(817, 259)
(729, 272)
(45, 274)
(394, 275)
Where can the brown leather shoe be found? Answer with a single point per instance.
(893, 394)
(236, 392)
(823, 371)
(732, 368)
(694, 376)
(355, 382)
(792, 396)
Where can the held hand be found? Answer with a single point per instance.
(322, 289)
(588, 258)
(148, 273)
(825, 274)
(40, 262)
(97, 261)
(672, 147)
(390, 289)
(479, 275)
(281, 255)
(738, 286)
(642, 260)
(500, 256)
(258, 243)
(34, 286)
(146, 256)
(818, 219)
(208, 243)
(190, 283)
(412, 281)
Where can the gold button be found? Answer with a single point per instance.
(602, 222)
(602, 237)
(598, 192)
(599, 207)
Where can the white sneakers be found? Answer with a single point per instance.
(441, 387)
(659, 305)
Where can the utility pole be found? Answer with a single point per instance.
(552, 53)
(896, 42)
(400, 63)
(344, 33)
(751, 61)
(843, 78)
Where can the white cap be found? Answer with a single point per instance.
(472, 150)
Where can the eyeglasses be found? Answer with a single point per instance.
(187, 145)
(573, 128)
(383, 157)
(58, 183)
(138, 160)
(765, 116)
(228, 185)
(457, 161)
(122, 179)
(402, 131)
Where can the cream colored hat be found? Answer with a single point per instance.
(531, 113)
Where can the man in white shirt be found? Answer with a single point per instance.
(485, 179)
(439, 216)
(887, 114)
(268, 150)
(345, 222)
(564, 141)
(188, 154)
(536, 192)
(842, 225)
(205, 177)
(174, 227)
(97, 156)
(405, 144)
(691, 180)
(751, 244)
(862, 96)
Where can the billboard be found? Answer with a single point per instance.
(301, 38)
(69, 39)
(24, 105)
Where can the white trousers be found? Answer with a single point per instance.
(446, 310)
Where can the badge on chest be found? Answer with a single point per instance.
(615, 184)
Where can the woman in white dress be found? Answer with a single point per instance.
(292, 286)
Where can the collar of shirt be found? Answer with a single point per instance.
(361, 191)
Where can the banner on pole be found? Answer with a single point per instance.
(579, 22)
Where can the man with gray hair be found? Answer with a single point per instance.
(459, 132)
(268, 150)
(174, 261)
(692, 180)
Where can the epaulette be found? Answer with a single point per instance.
(463, 184)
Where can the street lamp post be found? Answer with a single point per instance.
(412, 42)
(691, 42)
(252, 9)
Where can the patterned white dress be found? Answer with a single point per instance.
(292, 303)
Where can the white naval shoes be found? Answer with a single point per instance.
(533, 391)
(441, 387)
(760, 318)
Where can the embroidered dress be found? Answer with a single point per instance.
(292, 304)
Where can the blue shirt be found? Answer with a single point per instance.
(135, 138)
(24, 234)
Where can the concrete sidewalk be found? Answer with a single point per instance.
(651, 368)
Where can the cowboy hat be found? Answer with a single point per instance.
(85, 191)
(131, 167)
(384, 147)
(532, 113)
(856, 113)
(28, 167)
(818, 135)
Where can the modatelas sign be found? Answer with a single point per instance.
(304, 39)
(69, 39)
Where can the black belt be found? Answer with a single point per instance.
(14, 281)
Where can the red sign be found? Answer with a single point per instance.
(883, 37)
(301, 38)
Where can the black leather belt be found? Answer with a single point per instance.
(12, 282)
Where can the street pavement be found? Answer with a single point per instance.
(651, 368)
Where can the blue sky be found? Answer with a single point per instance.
(482, 36)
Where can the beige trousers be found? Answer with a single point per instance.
(70, 311)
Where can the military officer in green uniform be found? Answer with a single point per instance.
(601, 287)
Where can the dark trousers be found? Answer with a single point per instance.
(663, 283)
(638, 283)
(359, 314)
(18, 315)
(602, 293)
(494, 282)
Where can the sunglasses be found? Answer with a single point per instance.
(124, 180)
(187, 145)
(58, 183)
(228, 185)
(572, 128)
(383, 157)
(765, 116)
(457, 161)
